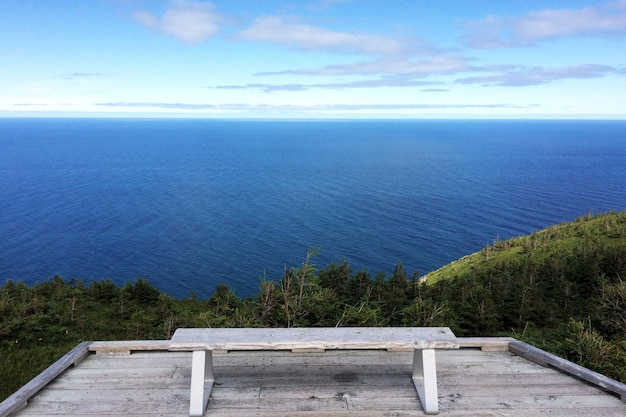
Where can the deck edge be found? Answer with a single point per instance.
(544, 358)
(19, 399)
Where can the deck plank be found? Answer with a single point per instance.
(335, 383)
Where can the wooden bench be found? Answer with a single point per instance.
(422, 340)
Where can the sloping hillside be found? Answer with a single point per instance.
(556, 242)
(561, 288)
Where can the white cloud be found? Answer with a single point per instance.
(186, 20)
(372, 83)
(307, 37)
(522, 76)
(421, 68)
(608, 20)
(81, 75)
(404, 66)
(307, 108)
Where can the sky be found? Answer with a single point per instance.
(313, 58)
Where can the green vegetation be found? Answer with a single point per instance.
(561, 289)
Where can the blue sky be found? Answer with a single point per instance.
(313, 58)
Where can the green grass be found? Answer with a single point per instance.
(608, 230)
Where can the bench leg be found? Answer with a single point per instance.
(425, 379)
(202, 380)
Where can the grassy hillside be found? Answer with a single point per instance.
(607, 230)
(561, 289)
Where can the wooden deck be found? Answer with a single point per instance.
(336, 383)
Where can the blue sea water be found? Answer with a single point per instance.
(190, 204)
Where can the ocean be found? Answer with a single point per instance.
(191, 204)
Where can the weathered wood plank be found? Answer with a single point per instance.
(547, 411)
(271, 358)
(116, 408)
(486, 344)
(336, 356)
(512, 367)
(542, 357)
(243, 360)
(117, 383)
(344, 413)
(342, 357)
(18, 399)
(127, 346)
(126, 373)
(87, 395)
(321, 338)
(610, 412)
(375, 403)
(311, 405)
(533, 389)
(504, 379)
(114, 361)
(536, 402)
(348, 380)
(404, 389)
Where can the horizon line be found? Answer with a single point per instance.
(300, 117)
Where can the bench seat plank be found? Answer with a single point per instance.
(318, 338)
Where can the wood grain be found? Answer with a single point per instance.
(363, 383)
(318, 339)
